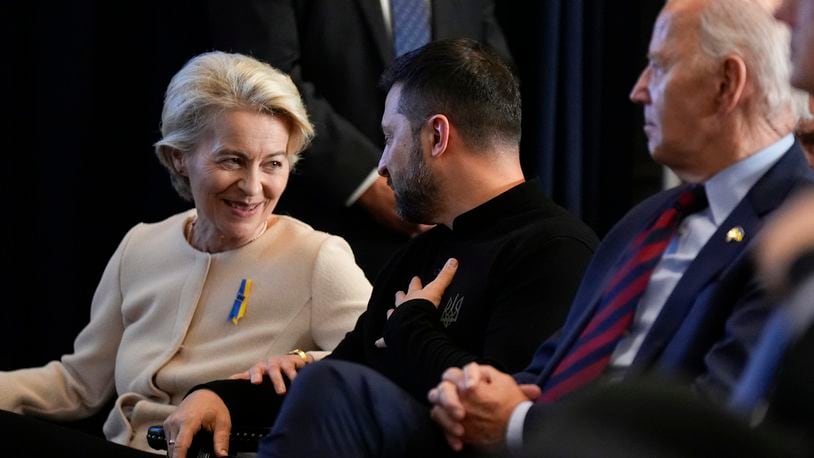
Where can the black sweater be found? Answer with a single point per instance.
(521, 259)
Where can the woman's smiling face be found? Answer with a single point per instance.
(237, 174)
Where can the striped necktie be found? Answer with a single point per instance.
(411, 24)
(591, 352)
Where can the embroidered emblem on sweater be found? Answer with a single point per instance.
(451, 310)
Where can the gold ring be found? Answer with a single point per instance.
(299, 353)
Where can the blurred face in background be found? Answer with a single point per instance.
(805, 134)
(799, 15)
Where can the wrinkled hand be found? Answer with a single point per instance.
(433, 292)
(380, 201)
(473, 405)
(203, 409)
(788, 234)
(275, 367)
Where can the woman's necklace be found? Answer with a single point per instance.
(191, 230)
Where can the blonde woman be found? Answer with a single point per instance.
(205, 293)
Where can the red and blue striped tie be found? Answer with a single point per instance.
(592, 350)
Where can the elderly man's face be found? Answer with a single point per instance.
(403, 164)
(676, 93)
(799, 15)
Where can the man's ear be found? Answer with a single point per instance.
(732, 85)
(179, 161)
(439, 126)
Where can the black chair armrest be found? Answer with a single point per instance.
(241, 439)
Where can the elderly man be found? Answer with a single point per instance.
(452, 127)
(771, 412)
(665, 294)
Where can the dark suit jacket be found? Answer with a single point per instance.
(336, 50)
(714, 315)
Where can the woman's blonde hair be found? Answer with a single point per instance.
(215, 82)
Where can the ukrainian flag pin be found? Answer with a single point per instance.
(735, 234)
(241, 301)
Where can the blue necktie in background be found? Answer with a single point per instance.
(411, 24)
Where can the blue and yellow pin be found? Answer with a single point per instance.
(736, 234)
(241, 300)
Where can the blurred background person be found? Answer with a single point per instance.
(805, 133)
(207, 292)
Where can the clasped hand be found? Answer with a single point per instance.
(473, 405)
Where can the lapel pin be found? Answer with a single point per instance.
(241, 300)
(735, 234)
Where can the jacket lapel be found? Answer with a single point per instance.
(372, 11)
(607, 271)
(716, 255)
(767, 194)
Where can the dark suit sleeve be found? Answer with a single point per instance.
(268, 30)
(743, 321)
(534, 293)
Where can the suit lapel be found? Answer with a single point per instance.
(767, 194)
(372, 11)
(570, 337)
(716, 255)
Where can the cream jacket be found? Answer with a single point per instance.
(159, 322)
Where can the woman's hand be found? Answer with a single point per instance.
(203, 409)
(275, 367)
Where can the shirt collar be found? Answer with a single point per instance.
(729, 186)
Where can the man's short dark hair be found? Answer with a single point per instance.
(463, 80)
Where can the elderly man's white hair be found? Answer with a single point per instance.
(748, 28)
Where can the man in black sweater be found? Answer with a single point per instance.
(452, 125)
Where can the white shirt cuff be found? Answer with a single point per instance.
(368, 182)
(514, 432)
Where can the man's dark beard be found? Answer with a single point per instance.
(417, 192)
